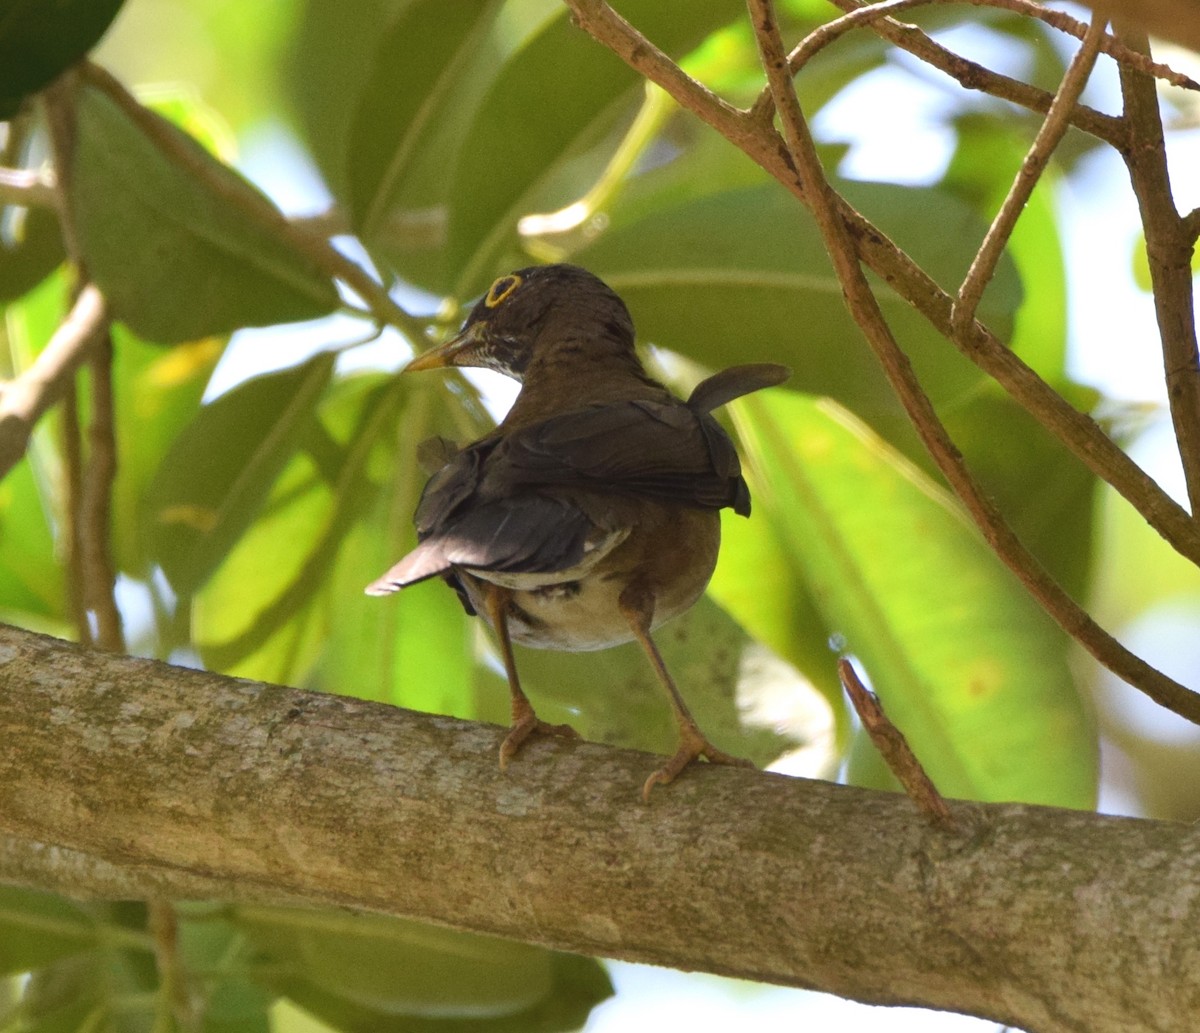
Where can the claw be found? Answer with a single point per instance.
(692, 747)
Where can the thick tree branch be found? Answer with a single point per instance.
(133, 778)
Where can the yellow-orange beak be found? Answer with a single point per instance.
(458, 351)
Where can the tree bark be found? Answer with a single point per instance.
(132, 778)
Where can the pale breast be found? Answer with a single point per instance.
(673, 551)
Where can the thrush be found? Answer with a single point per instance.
(590, 515)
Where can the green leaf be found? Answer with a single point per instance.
(31, 576)
(988, 157)
(37, 928)
(159, 391)
(178, 258)
(1045, 493)
(40, 41)
(221, 468)
(743, 275)
(967, 666)
(416, 73)
(31, 247)
(514, 162)
(363, 972)
(324, 72)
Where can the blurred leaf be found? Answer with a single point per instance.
(968, 667)
(988, 156)
(160, 392)
(267, 610)
(214, 955)
(31, 248)
(413, 649)
(1045, 493)
(743, 275)
(370, 973)
(37, 928)
(178, 258)
(325, 70)
(40, 41)
(221, 467)
(103, 990)
(416, 67)
(512, 163)
(31, 577)
(758, 583)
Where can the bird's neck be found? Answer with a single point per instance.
(576, 373)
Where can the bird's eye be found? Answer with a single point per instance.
(501, 289)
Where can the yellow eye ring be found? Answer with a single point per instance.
(501, 289)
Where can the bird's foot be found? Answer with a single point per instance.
(692, 747)
(522, 728)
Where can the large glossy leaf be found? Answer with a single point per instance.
(987, 158)
(742, 275)
(31, 579)
(160, 392)
(221, 468)
(39, 41)
(1047, 495)
(31, 247)
(417, 74)
(324, 72)
(266, 611)
(178, 258)
(968, 667)
(362, 972)
(554, 99)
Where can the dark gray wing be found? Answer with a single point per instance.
(460, 525)
(661, 450)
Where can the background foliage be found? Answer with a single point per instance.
(458, 140)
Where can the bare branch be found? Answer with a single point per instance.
(1169, 251)
(894, 749)
(200, 785)
(24, 399)
(92, 514)
(983, 266)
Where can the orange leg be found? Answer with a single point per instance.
(637, 606)
(524, 721)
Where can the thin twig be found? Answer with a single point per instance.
(1169, 252)
(257, 207)
(973, 76)
(92, 515)
(72, 490)
(24, 399)
(1110, 45)
(894, 748)
(758, 140)
(864, 307)
(983, 266)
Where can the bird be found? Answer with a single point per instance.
(590, 514)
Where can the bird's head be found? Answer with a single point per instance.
(528, 314)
